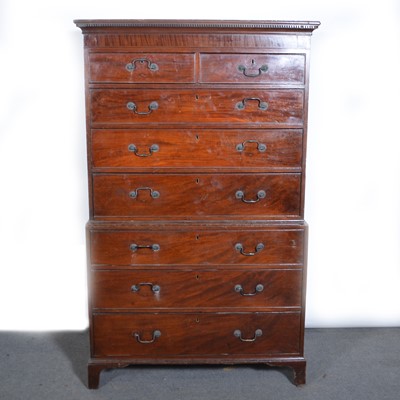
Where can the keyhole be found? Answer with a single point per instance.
(197, 137)
(253, 61)
(196, 96)
(197, 319)
(197, 180)
(197, 237)
(197, 277)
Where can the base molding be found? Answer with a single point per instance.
(95, 366)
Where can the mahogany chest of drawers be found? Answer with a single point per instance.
(196, 134)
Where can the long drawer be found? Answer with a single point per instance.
(185, 195)
(220, 334)
(196, 288)
(112, 107)
(196, 247)
(142, 148)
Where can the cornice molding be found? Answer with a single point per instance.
(193, 24)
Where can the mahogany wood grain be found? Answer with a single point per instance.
(182, 195)
(212, 148)
(196, 90)
(205, 106)
(228, 68)
(178, 34)
(196, 334)
(189, 41)
(170, 67)
(197, 247)
(207, 289)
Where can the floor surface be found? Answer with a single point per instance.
(343, 364)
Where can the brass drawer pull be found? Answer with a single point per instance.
(258, 249)
(237, 333)
(156, 335)
(261, 147)
(150, 65)
(153, 193)
(260, 195)
(154, 247)
(133, 107)
(242, 68)
(239, 289)
(152, 149)
(262, 105)
(155, 288)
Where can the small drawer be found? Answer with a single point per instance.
(182, 289)
(135, 248)
(141, 68)
(184, 195)
(222, 334)
(200, 148)
(253, 68)
(112, 107)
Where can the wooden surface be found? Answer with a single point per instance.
(181, 116)
(194, 289)
(106, 67)
(201, 106)
(228, 68)
(184, 195)
(197, 247)
(185, 335)
(214, 149)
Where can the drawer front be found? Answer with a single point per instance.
(146, 106)
(127, 195)
(196, 148)
(252, 68)
(125, 248)
(221, 334)
(186, 289)
(141, 68)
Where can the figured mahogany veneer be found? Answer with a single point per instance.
(184, 195)
(139, 68)
(261, 68)
(202, 106)
(205, 289)
(196, 134)
(283, 246)
(196, 335)
(236, 149)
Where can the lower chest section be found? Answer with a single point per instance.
(191, 291)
